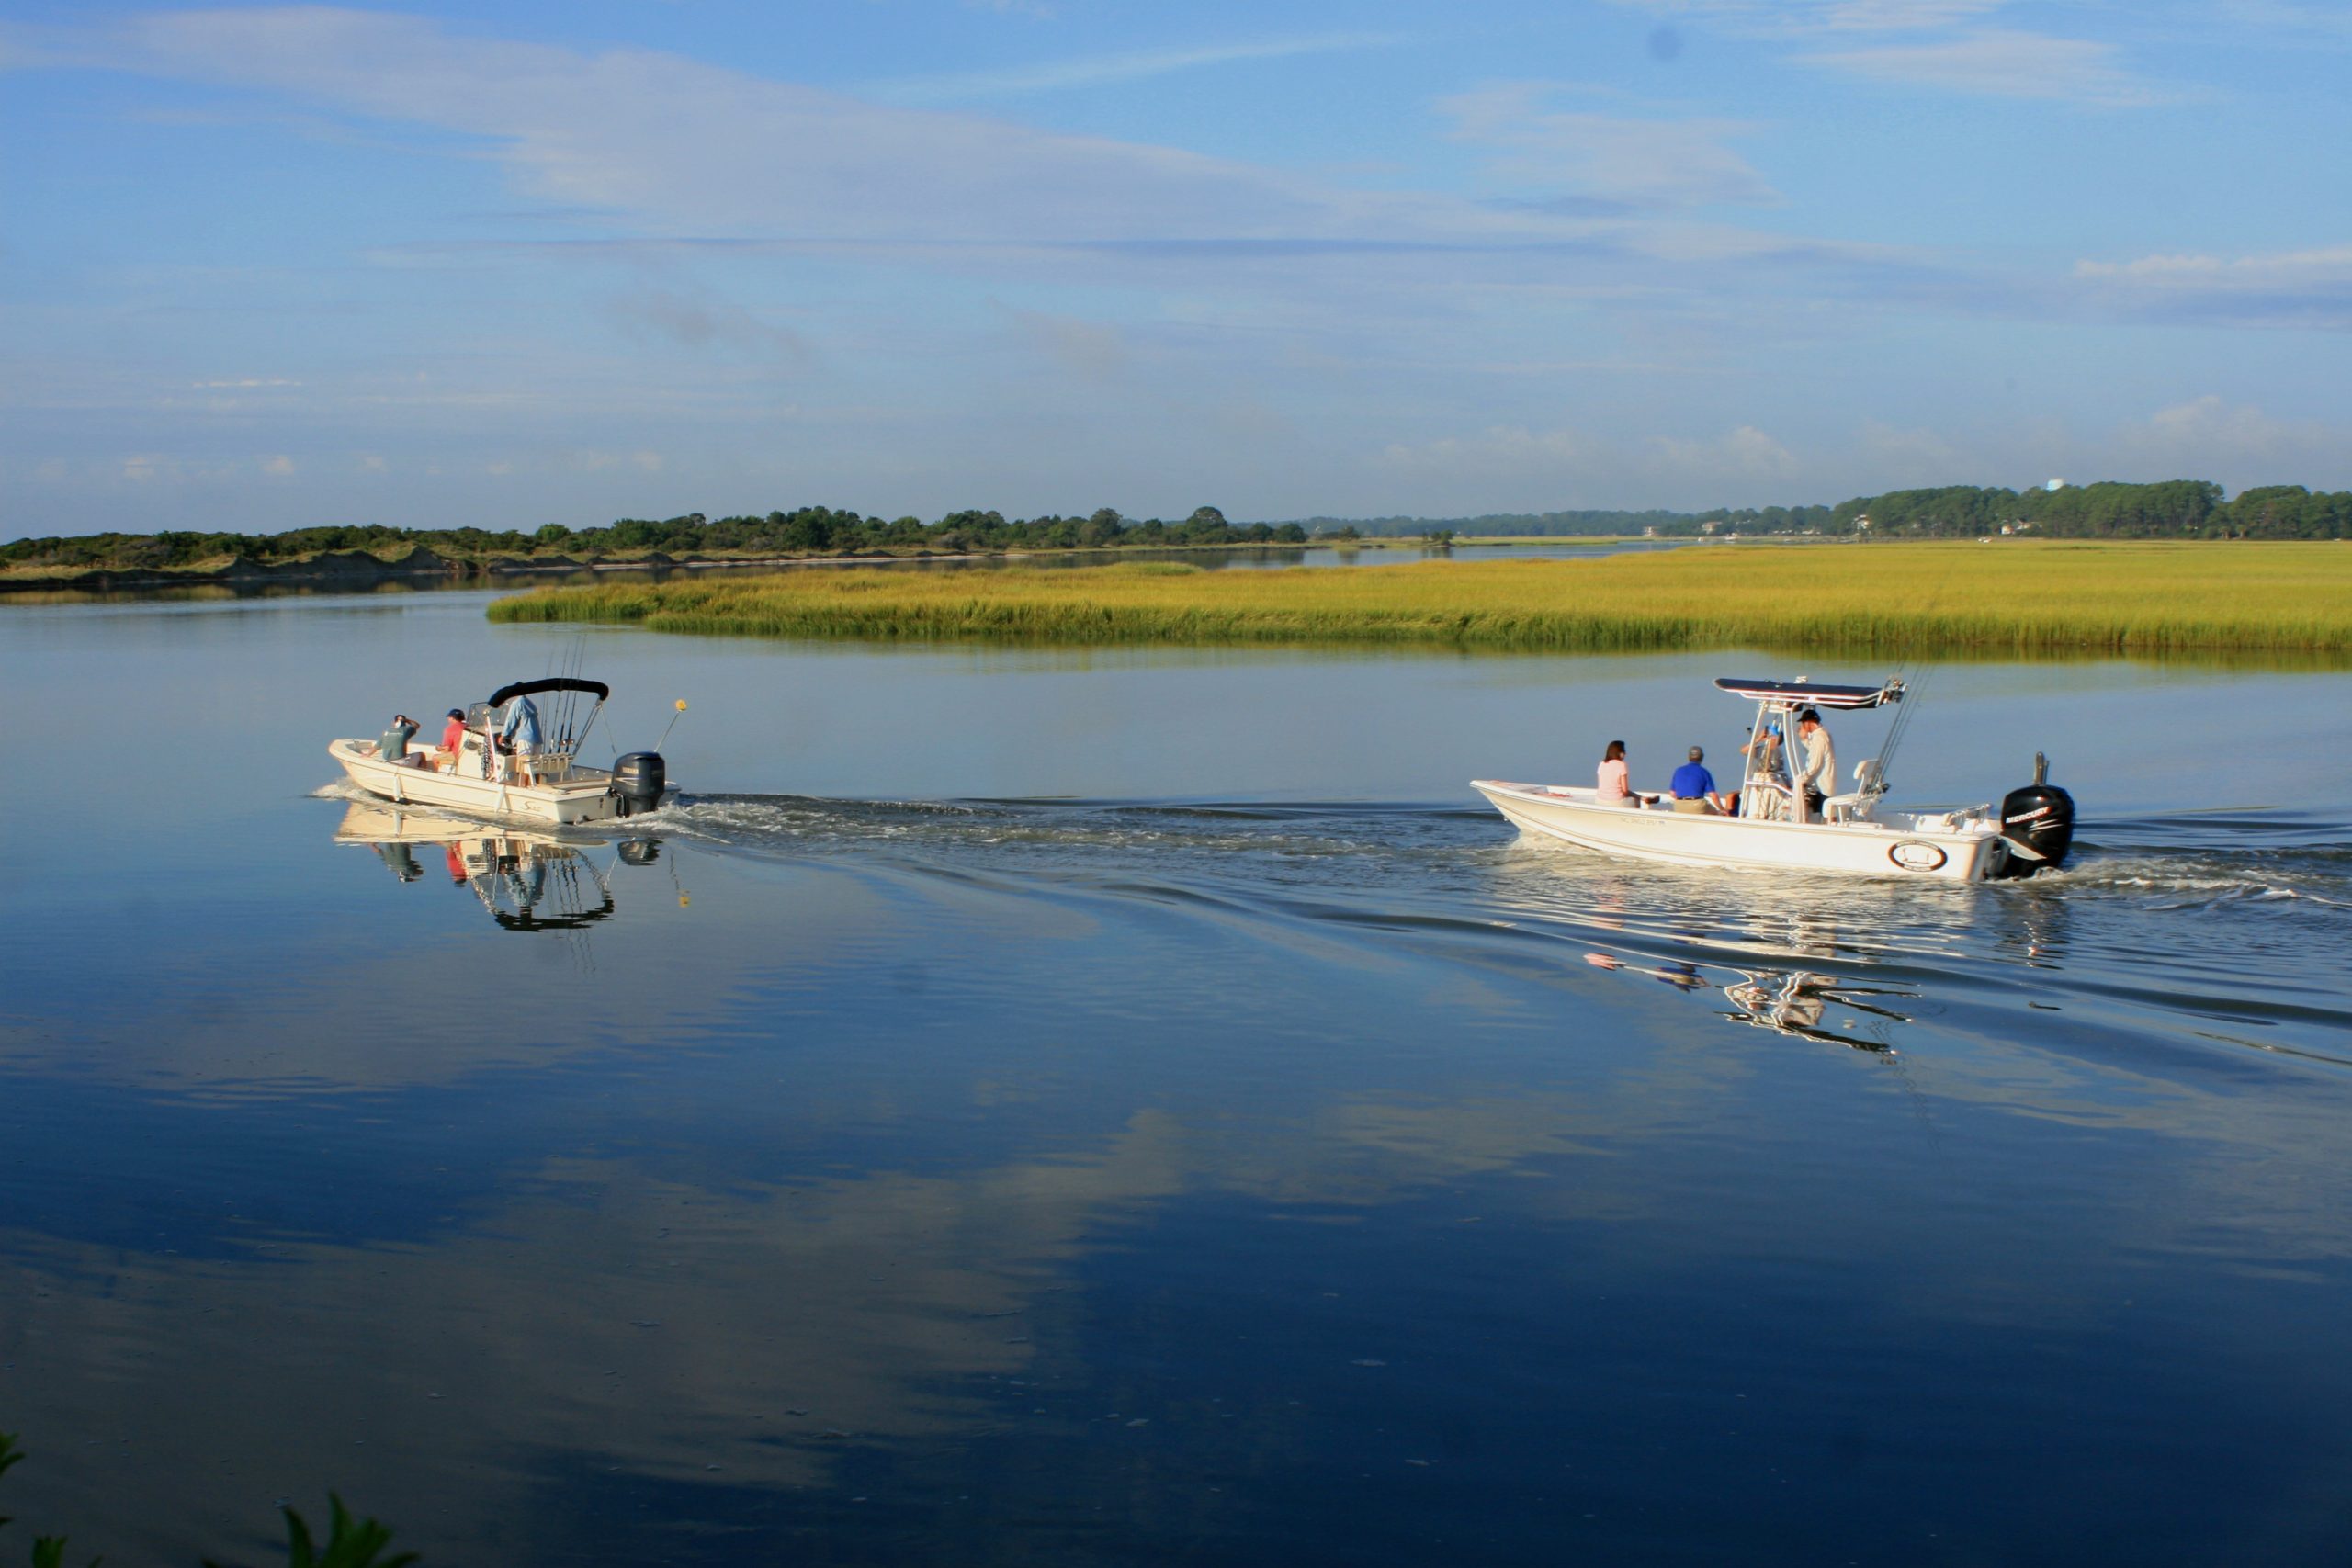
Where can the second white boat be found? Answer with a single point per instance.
(1852, 834)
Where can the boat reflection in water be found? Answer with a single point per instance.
(1787, 1001)
(527, 881)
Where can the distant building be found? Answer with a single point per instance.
(1650, 532)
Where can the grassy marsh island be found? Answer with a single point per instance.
(2011, 597)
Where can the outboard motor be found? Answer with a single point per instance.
(2039, 823)
(639, 778)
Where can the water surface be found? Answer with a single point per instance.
(1138, 1107)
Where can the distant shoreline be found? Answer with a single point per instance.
(362, 568)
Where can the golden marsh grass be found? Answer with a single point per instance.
(2014, 597)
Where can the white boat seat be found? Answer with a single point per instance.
(1856, 807)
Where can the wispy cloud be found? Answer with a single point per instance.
(1742, 456)
(702, 323)
(1102, 70)
(1796, 18)
(2322, 19)
(2309, 289)
(1633, 161)
(2237, 443)
(1944, 44)
(1998, 63)
(1092, 351)
(1569, 460)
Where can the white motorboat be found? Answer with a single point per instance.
(1770, 829)
(484, 778)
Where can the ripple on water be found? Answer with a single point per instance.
(2160, 923)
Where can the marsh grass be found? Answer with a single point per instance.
(2013, 598)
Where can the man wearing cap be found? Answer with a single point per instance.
(1694, 788)
(1818, 777)
(453, 736)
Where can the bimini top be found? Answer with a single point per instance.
(505, 694)
(1819, 697)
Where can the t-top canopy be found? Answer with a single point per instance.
(505, 694)
(1819, 697)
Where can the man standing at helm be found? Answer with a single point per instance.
(1818, 777)
(522, 728)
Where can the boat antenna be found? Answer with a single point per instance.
(671, 725)
(1915, 690)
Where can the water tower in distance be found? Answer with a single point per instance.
(2056, 485)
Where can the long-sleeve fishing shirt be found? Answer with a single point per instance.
(522, 723)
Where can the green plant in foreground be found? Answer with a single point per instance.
(350, 1543)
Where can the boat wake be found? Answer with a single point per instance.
(2197, 926)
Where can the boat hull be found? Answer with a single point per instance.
(589, 799)
(1896, 849)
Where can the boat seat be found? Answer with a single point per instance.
(1856, 807)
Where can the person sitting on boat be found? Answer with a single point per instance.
(1818, 775)
(1694, 788)
(1613, 788)
(452, 738)
(393, 747)
(522, 731)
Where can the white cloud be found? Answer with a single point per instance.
(1511, 451)
(1570, 462)
(2301, 268)
(1743, 454)
(1639, 161)
(1781, 18)
(695, 154)
(1916, 452)
(2211, 431)
(2327, 19)
(2301, 290)
(1103, 70)
(2002, 64)
(1943, 44)
(278, 466)
(693, 148)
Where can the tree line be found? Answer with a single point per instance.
(2178, 508)
(2174, 509)
(808, 530)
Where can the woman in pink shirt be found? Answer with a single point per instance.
(1613, 788)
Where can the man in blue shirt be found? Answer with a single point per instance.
(1694, 788)
(522, 727)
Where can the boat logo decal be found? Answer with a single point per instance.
(1912, 856)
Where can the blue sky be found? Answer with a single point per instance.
(513, 264)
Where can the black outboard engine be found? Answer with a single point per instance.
(2039, 823)
(639, 778)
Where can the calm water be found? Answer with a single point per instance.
(1140, 1107)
